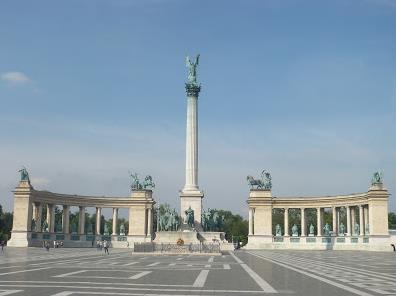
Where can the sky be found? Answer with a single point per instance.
(91, 91)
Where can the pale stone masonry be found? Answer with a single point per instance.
(28, 205)
(368, 210)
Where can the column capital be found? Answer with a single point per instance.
(192, 89)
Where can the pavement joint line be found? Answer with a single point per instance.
(139, 289)
(70, 273)
(259, 280)
(180, 258)
(327, 281)
(132, 263)
(9, 292)
(154, 264)
(99, 283)
(208, 266)
(226, 266)
(140, 275)
(201, 279)
(327, 265)
(25, 270)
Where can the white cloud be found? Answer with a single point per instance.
(15, 77)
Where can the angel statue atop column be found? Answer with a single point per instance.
(192, 69)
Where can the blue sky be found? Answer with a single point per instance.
(90, 90)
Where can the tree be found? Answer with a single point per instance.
(5, 224)
(392, 220)
(234, 226)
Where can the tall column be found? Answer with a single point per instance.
(98, 216)
(81, 221)
(51, 217)
(39, 221)
(303, 231)
(66, 219)
(190, 195)
(338, 220)
(149, 222)
(115, 220)
(353, 221)
(250, 221)
(286, 222)
(349, 230)
(334, 214)
(361, 220)
(319, 221)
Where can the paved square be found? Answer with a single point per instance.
(64, 272)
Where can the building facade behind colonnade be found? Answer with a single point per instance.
(27, 227)
(364, 225)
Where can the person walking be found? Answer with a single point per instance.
(106, 247)
(2, 246)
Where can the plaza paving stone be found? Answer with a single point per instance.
(62, 272)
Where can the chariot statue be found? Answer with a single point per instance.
(137, 185)
(264, 183)
(24, 174)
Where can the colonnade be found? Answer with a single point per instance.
(355, 215)
(37, 208)
(30, 204)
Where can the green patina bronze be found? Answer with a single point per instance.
(192, 86)
(168, 221)
(377, 178)
(326, 230)
(311, 229)
(278, 230)
(264, 183)
(190, 217)
(24, 174)
(212, 220)
(137, 185)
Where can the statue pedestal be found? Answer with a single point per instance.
(171, 237)
(191, 199)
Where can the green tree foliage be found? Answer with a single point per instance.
(234, 226)
(392, 220)
(5, 224)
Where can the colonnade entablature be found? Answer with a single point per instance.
(353, 221)
(28, 229)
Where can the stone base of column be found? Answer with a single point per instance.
(191, 199)
(20, 239)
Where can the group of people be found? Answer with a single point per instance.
(103, 245)
(57, 244)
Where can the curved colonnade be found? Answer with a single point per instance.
(29, 203)
(364, 224)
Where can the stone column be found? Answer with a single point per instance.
(319, 221)
(39, 221)
(149, 222)
(34, 211)
(366, 220)
(338, 220)
(250, 221)
(353, 219)
(81, 221)
(303, 231)
(348, 228)
(334, 210)
(98, 216)
(115, 220)
(361, 220)
(66, 220)
(51, 217)
(286, 222)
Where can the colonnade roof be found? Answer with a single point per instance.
(88, 201)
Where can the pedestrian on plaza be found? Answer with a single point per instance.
(54, 244)
(100, 245)
(2, 246)
(47, 246)
(106, 247)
